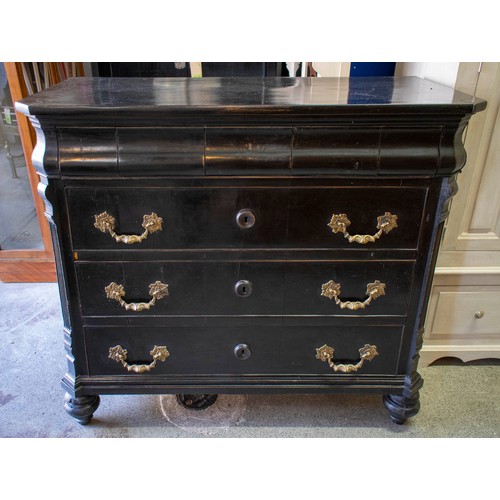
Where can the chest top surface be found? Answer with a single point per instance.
(236, 95)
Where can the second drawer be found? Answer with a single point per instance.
(245, 288)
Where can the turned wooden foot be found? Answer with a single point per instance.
(401, 407)
(196, 401)
(82, 409)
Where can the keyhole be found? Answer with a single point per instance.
(245, 218)
(243, 288)
(242, 351)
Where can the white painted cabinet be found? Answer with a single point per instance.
(463, 318)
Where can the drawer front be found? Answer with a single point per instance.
(468, 312)
(248, 151)
(312, 210)
(326, 288)
(218, 350)
(247, 288)
(278, 218)
(131, 151)
(192, 218)
(194, 288)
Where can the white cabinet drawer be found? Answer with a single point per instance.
(470, 311)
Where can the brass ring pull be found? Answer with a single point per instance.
(366, 353)
(119, 354)
(157, 290)
(385, 223)
(151, 223)
(332, 291)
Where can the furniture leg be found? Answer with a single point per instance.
(82, 409)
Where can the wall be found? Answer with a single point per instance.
(444, 73)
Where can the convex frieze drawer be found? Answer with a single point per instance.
(251, 150)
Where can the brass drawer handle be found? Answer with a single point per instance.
(366, 353)
(157, 290)
(332, 291)
(385, 223)
(151, 223)
(119, 354)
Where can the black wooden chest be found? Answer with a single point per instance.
(239, 235)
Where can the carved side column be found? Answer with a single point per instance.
(406, 405)
(44, 159)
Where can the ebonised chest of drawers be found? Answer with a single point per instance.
(243, 235)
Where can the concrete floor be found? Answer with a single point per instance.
(457, 400)
(19, 228)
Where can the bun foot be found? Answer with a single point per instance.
(401, 407)
(397, 420)
(196, 401)
(81, 409)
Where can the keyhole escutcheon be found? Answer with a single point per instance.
(245, 218)
(243, 288)
(242, 351)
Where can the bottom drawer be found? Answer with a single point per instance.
(262, 350)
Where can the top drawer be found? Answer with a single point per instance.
(259, 217)
(348, 151)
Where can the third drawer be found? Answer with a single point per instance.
(244, 350)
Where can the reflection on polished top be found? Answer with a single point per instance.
(248, 95)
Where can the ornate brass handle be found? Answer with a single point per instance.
(119, 354)
(385, 223)
(151, 223)
(332, 291)
(366, 353)
(157, 290)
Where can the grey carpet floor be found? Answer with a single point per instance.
(457, 400)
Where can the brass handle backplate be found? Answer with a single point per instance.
(366, 353)
(151, 223)
(157, 290)
(332, 291)
(385, 223)
(119, 354)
